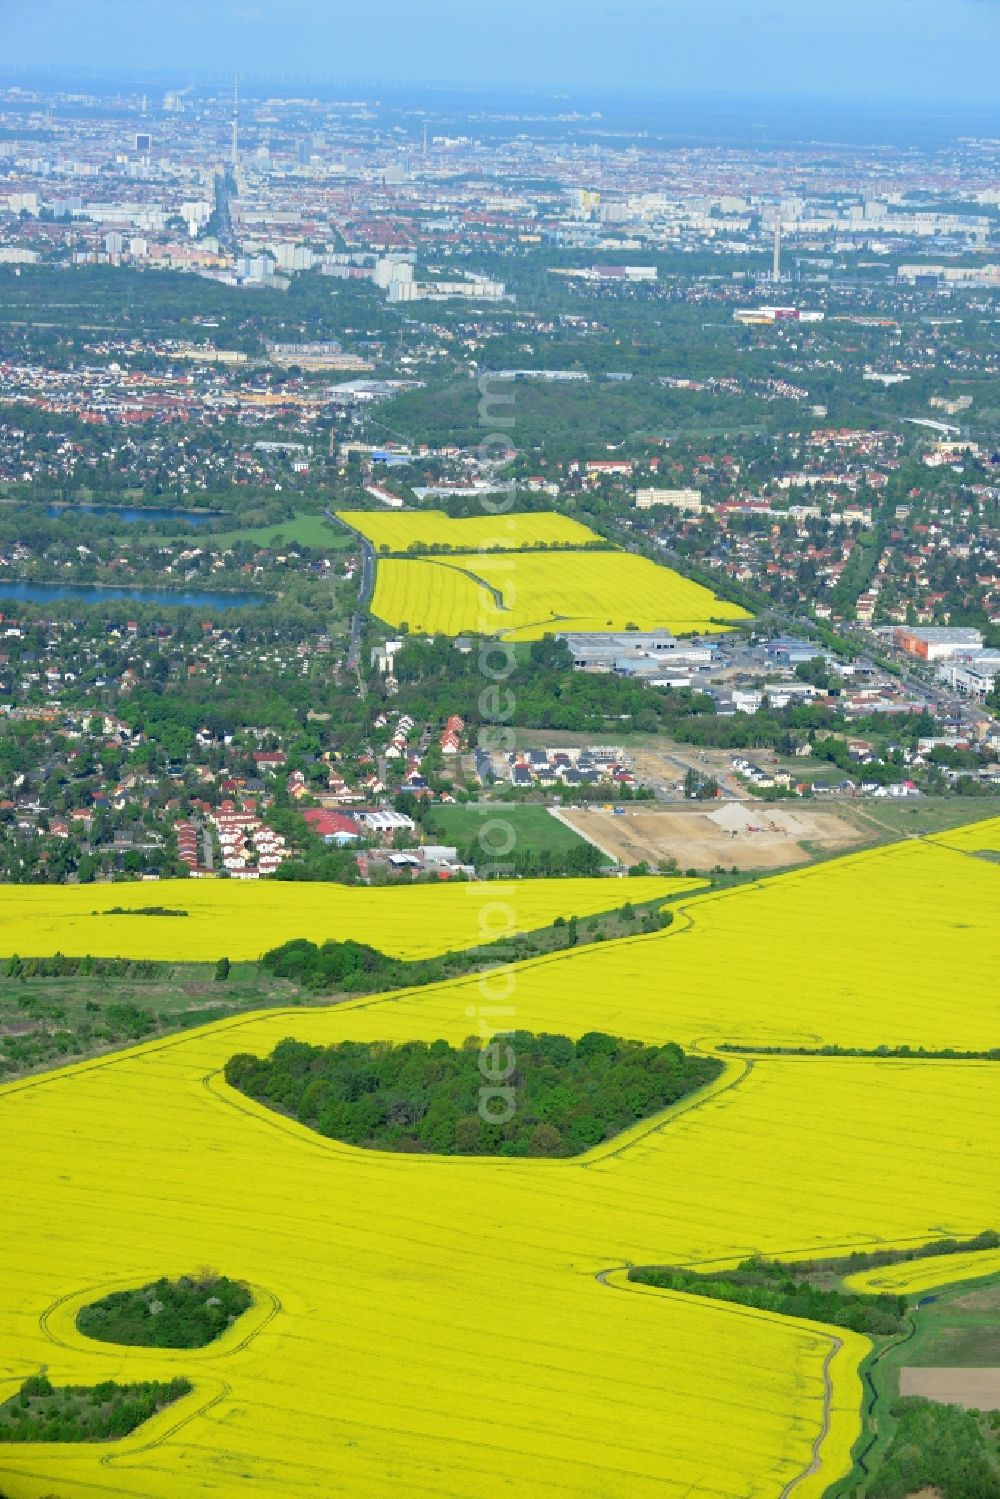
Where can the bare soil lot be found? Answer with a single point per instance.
(982, 1299)
(747, 835)
(976, 1389)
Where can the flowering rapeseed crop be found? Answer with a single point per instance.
(456, 1327)
(526, 595)
(244, 919)
(892, 947)
(914, 1277)
(399, 530)
(974, 837)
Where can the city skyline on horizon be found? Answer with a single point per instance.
(938, 51)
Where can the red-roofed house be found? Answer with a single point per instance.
(336, 827)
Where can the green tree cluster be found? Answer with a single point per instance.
(773, 1287)
(564, 1096)
(186, 1313)
(939, 1449)
(41, 1412)
(352, 967)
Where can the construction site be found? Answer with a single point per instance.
(733, 835)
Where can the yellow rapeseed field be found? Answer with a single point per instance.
(453, 1327)
(914, 1277)
(860, 951)
(242, 919)
(974, 837)
(524, 595)
(427, 599)
(399, 530)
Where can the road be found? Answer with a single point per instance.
(699, 764)
(560, 816)
(928, 688)
(365, 586)
(226, 236)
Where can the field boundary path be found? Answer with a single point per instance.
(496, 594)
(836, 1345)
(559, 815)
(603, 1277)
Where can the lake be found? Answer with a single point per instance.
(49, 593)
(131, 515)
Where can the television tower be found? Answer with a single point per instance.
(236, 124)
(776, 271)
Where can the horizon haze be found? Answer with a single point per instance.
(936, 51)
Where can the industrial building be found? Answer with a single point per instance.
(635, 652)
(937, 643)
(791, 651)
(974, 673)
(754, 316)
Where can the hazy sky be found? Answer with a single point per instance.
(933, 49)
